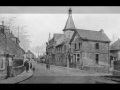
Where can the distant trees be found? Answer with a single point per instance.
(37, 50)
(114, 38)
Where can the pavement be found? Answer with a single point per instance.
(78, 72)
(13, 80)
(95, 77)
(54, 72)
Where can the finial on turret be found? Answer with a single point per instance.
(70, 11)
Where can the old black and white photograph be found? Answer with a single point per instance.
(59, 45)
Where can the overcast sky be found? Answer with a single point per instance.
(42, 20)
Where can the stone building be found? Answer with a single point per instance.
(89, 48)
(78, 47)
(10, 51)
(115, 50)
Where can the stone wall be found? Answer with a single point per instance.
(116, 69)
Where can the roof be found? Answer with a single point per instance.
(57, 36)
(92, 35)
(115, 45)
(69, 24)
(29, 52)
(60, 41)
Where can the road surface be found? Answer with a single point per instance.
(61, 75)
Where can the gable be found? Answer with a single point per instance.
(76, 37)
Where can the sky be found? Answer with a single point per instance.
(41, 21)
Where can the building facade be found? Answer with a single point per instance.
(10, 51)
(78, 47)
(115, 50)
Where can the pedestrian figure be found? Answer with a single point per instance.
(48, 66)
(30, 65)
(26, 64)
(33, 65)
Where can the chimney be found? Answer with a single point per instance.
(3, 23)
(101, 30)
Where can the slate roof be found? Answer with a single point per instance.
(92, 35)
(57, 36)
(60, 41)
(69, 24)
(115, 45)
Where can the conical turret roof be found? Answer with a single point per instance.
(70, 23)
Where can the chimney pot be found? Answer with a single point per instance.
(3, 23)
(102, 31)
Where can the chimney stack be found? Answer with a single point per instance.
(101, 30)
(3, 23)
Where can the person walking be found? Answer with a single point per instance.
(33, 64)
(26, 64)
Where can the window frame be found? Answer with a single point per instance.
(97, 45)
(78, 57)
(75, 46)
(79, 45)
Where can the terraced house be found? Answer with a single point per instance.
(9, 45)
(78, 47)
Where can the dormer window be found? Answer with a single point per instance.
(96, 45)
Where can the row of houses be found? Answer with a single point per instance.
(79, 47)
(11, 54)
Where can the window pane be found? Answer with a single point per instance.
(78, 59)
(75, 46)
(78, 55)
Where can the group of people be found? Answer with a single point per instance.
(29, 65)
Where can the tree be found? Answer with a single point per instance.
(37, 49)
(114, 38)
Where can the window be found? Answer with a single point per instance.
(78, 57)
(97, 46)
(79, 45)
(75, 46)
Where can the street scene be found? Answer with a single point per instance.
(64, 48)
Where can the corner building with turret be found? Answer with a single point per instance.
(77, 48)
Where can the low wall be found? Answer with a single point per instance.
(18, 70)
(116, 68)
(98, 69)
